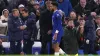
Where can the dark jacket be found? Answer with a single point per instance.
(31, 30)
(14, 31)
(80, 11)
(94, 7)
(90, 31)
(45, 21)
(70, 39)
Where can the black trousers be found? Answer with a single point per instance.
(89, 48)
(28, 46)
(15, 47)
(45, 39)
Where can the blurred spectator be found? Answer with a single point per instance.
(15, 27)
(97, 42)
(34, 6)
(41, 2)
(71, 36)
(65, 6)
(97, 21)
(37, 9)
(90, 36)
(29, 31)
(2, 6)
(95, 6)
(30, 5)
(81, 37)
(4, 22)
(82, 8)
(21, 7)
(73, 16)
(46, 28)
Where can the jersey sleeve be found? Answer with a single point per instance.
(59, 17)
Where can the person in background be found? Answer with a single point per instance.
(5, 14)
(4, 25)
(4, 18)
(41, 2)
(15, 31)
(30, 30)
(82, 8)
(95, 6)
(30, 5)
(57, 31)
(73, 16)
(71, 36)
(97, 22)
(97, 41)
(36, 10)
(21, 7)
(65, 6)
(34, 7)
(46, 28)
(90, 35)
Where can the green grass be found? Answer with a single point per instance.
(45, 55)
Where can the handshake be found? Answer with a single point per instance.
(23, 27)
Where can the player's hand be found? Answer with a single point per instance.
(55, 36)
(49, 32)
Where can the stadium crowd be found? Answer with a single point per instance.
(67, 25)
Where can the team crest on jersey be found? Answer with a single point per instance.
(58, 15)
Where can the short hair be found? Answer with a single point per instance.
(14, 10)
(82, 18)
(70, 19)
(97, 17)
(54, 3)
(25, 10)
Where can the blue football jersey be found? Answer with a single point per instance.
(57, 22)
